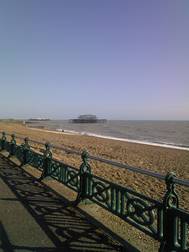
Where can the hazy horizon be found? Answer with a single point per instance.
(109, 119)
(121, 60)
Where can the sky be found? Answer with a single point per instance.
(118, 59)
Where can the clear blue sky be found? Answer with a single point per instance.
(115, 58)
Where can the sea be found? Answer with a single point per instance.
(173, 134)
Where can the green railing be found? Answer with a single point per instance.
(162, 220)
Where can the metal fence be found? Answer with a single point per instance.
(162, 220)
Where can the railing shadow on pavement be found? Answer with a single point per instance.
(69, 228)
(6, 245)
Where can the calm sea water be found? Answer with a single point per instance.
(161, 132)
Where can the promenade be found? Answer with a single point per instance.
(35, 218)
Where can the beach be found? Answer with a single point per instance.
(154, 158)
(151, 157)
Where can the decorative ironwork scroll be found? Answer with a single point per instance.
(137, 209)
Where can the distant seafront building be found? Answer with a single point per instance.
(87, 119)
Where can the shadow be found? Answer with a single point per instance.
(6, 245)
(68, 227)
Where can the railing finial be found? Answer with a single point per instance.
(85, 166)
(12, 145)
(47, 153)
(84, 172)
(13, 140)
(3, 140)
(4, 135)
(170, 202)
(171, 197)
(47, 157)
(25, 150)
(26, 143)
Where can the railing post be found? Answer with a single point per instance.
(46, 161)
(26, 148)
(12, 146)
(84, 171)
(3, 140)
(170, 224)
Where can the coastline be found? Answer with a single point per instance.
(69, 132)
(139, 142)
(54, 131)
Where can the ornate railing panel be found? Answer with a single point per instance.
(7, 146)
(139, 210)
(64, 173)
(35, 159)
(19, 152)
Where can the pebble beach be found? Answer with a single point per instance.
(154, 158)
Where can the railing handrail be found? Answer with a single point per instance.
(143, 171)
